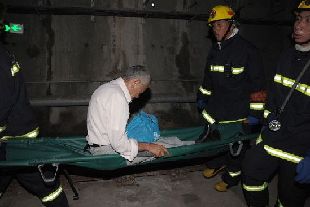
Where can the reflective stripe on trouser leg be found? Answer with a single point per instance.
(234, 174)
(257, 188)
(256, 195)
(53, 195)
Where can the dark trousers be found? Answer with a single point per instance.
(51, 194)
(259, 167)
(232, 173)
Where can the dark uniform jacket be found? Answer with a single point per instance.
(233, 71)
(16, 115)
(294, 135)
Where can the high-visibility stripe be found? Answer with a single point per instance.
(204, 91)
(283, 155)
(266, 113)
(237, 71)
(208, 117)
(15, 69)
(52, 196)
(259, 139)
(255, 188)
(217, 68)
(2, 128)
(234, 174)
(221, 69)
(32, 134)
(232, 121)
(257, 106)
(303, 88)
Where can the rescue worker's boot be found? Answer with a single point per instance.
(221, 186)
(211, 172)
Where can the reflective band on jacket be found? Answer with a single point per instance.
(204, 91)
(208, 117)
(283, 155)
(2, 128)
(257, 106)
(303, 88)
(52, 196)
(15, 68)
(232, 121)
(255, 188)
(32, 134)
(259, 139)
(221, 69)
(217, 68)
(266, 113)
(234, 174)
(237, 71)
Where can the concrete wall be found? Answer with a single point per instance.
(69, 56)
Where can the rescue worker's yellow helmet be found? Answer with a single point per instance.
(304, 5)
(221, 12)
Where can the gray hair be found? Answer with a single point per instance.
(137, 72)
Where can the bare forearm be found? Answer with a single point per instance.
(143, 146)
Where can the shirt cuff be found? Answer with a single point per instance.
(130, 156)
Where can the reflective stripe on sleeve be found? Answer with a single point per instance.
(204, 91)
(257, 106)
(208, 117)
(282, 155)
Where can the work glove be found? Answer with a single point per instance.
(303, 170)
(251, 120)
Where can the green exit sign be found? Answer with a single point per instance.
(14, 28)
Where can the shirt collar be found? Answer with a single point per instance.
(124, 88)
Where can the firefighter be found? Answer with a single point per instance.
(17, 120)
(284, 140)
(231, 94)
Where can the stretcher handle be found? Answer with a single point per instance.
(45, 179)
(235, 154)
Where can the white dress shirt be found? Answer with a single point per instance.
(108, 113)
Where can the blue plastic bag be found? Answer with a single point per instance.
(143, 127)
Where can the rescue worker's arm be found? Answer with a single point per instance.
(205, 89)
(255, 72)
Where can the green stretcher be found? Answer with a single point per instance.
(70, 150)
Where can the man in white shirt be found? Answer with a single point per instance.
(108, 113)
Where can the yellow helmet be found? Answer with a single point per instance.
(221, 12)
(304, 5)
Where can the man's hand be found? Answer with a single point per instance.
(303, 170)
(156, 149)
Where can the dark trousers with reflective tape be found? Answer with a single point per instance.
(259, 167)
(232, 173)
(51, 195)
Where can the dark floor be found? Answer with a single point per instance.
(177, 187)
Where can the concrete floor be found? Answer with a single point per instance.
(177, 187)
